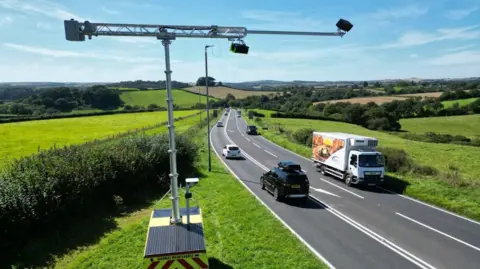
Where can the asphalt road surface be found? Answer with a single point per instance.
(349, 227)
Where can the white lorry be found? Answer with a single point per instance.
(349, 157)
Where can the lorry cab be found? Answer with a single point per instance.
(365, 168)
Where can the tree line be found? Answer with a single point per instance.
(64, 99)
(147, 84)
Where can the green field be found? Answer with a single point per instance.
(239, 233)
(468, 125)
(461, 102)
(462, 196)
(181, 98)
(24, 138)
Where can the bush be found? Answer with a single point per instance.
(303, 136)
(42, 191)
(396, 160)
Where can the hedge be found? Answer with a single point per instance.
(42, 191)
(303, 116)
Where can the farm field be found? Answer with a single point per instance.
(460, 195)
(24, 138)
(461, 102)
(383, 99)
(468, 125)
(221, 92)
(181, 98)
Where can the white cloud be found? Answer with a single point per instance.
(416, 38)
(413, 55)
(460, 13)
(5, 20)
(43, 7)
(110, 11)
(409, 11)
(44, 25)
(70, 54)
(273, 19)
(454, 49)
(471, 57)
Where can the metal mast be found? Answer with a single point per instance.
(77, 31)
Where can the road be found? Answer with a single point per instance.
(349, 227)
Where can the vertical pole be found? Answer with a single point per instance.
(171, 133)
(208, 111)
(188, 205)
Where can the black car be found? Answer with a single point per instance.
(287, 180)
(252, 130)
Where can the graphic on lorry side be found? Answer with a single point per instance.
(323, 147)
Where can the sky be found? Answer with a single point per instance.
(390, 39)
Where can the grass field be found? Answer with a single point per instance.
(181, 98)
(462, 196)
(239, 233)
(461, 102)
(383, 99)
(126, 89)
(221, 92)
(468, 125)
(24, 138)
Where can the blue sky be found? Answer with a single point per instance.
(390, 39)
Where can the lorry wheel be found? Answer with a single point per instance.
(262, 182)
(348, 179)
(276, 195)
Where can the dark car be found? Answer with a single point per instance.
(252, 130)
(287, 180)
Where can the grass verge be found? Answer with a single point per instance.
(452, 191)
(239, 231)
(467, 125)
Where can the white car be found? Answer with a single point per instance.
(231, 151)
(219, 124)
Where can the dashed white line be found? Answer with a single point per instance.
(270, 153)
(440, 232)
(335, 185)
(230, 131)
(256, 145)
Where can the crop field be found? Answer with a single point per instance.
(221, 92)
(24, 138)
(461, 102)
(459, 195)
(181, 98)
(383, 99)
(468, 125)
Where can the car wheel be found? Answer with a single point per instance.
(262, 183)
(348, 179)
(276, 195)
(322, 171)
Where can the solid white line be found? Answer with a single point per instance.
(256, 145)
(270, 153)
(271, 211)
(432, 206)
(407, 255)
(401, 195)
(335, 185)
(440, 232)
(248, 139)
(230, 131)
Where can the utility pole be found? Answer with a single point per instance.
(208, 109)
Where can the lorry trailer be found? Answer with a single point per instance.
(351, 158)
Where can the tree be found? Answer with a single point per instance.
(219, 83)
(153, 107)
(377, 84)
(201, 81)
(102, 97)
(365, 84)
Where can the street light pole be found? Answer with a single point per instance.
(208, 109)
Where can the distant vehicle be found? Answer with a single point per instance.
(226, 113)
(287, 180)
(231, 151)
(352, 158)
(239, 113)
(252, 130)
(220, 124)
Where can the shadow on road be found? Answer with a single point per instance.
(213, 263)
(393, 184)
(310, 204)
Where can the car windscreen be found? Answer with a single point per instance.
(296, 179)
(370, 160)
(253, 127)
(232, 148)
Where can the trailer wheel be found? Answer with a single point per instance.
(348, 179)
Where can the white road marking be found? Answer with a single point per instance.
(256, 145)
(230, 131)
(324, 191)
(303, 170)
(407, 255)
(440, 232)
(273, 213)
(248, 139)
(270, 153)
(400, 251)
(335, 185)
(431, 206)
